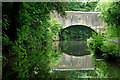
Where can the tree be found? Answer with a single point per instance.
(26, 33)
(110, 12)
(81, 6)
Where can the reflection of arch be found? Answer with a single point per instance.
(68, 62)
(76, 48)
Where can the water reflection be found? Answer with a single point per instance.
(68, 62)
(36, 64)
(76, 48)
(39, 62)
(74, 63)
(102, 69)
(74, 56)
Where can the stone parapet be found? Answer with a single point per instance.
(89, 19)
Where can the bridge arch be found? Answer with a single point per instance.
(89, 19)
(80, 24)
(76, 31)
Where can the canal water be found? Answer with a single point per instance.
(61, 59)
(77, 62)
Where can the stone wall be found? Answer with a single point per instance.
(89, 19)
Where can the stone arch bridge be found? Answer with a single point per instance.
(89, 19)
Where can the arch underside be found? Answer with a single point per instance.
(76, 32)
(96, 29)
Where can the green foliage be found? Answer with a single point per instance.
(105, 69)
(102, 69)
(81, 6)
(94, 43)
(111, 50)
(112, 32)
(90, 43)
(110, 13)
(36, 63)
(74, 74)
(55, 26)
(30, 46)
(5, 38)
(99, 46)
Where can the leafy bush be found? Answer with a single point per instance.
(94, 43)
(99, 46)
(110, 13)
(81, 6)
(111, 32)
(30, 45)
(111, 50)
(90, 42)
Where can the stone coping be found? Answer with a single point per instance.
(78, 12)
(81, 12)
(73, 69)
(114, 40)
